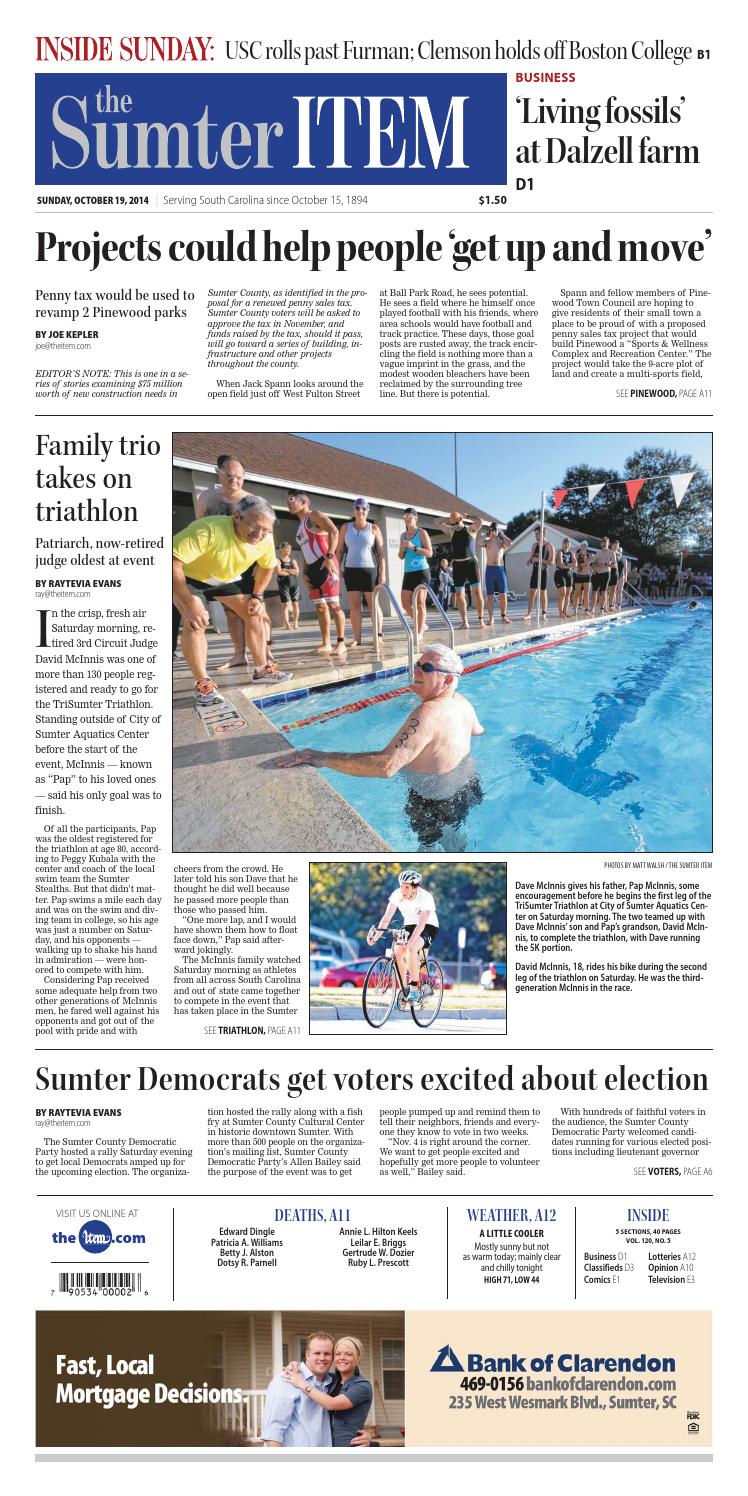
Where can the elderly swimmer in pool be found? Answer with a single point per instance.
(431, 751)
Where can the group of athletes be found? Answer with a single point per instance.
(585, 580)
(227, 555)
(669, 581)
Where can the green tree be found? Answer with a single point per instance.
(520, 522)
(576, 511)
(654, 527)
(659, 526)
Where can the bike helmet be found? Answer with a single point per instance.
(410, 876)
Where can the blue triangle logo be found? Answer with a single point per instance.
(446, 1360)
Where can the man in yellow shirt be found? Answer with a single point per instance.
(208, 559)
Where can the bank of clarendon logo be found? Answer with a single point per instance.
(446, 1360)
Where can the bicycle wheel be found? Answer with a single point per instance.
(380, 990)
(430, 994)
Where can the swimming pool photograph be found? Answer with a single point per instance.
(543, 684)
(602, 743)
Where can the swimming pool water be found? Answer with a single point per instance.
(601, 744)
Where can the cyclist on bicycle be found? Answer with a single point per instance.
(420, 921)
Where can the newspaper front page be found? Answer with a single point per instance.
(376, 938)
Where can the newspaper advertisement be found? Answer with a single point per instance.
(378, 927)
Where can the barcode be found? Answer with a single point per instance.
(69, 1282)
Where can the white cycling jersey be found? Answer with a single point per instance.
(412, 909)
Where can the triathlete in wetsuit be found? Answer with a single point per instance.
(613, 582)
(317, 538)
(601, 564)
(563, 575)
(582, 579)
(463, 530)
(539, 574)
(623, 571)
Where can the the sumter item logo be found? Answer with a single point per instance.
(446, 1360)
(95, 1236)
(356, 129)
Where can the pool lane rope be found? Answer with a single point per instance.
(358, 706)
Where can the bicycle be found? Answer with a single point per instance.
(384, 988)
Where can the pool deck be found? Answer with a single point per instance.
(226, 796)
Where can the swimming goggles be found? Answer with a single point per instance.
(426, 668)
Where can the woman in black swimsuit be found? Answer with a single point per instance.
(582, 580)
(613, 583)
(289, 589)
(563, 576)
(539, 574)
(463, 528)
(623, 568)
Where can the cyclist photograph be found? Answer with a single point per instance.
(420, 925)
(401, 948)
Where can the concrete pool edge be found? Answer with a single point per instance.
(398, 664)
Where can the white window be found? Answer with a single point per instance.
(393, 1370)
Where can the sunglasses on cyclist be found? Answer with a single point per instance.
(426, 668)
